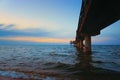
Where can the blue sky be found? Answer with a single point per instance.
(52, 20)
(109, 35)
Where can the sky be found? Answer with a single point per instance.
(50, 21)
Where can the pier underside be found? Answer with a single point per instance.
(95, 15)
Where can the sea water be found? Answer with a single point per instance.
(52, 62)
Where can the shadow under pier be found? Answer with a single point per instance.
(86, 71)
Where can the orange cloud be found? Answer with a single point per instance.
(35, 39)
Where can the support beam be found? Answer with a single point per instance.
(87, 43)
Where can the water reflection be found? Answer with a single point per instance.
(86, 71)
(84, 60)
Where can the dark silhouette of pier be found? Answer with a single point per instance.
(95, 15)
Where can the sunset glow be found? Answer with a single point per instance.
(47, 21)
(34, 39)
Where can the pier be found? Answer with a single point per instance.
(95, 15)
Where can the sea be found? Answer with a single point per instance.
(59, 62)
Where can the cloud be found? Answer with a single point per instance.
(10, 26)
(36, 39)
(6, 27)
(9, 30)
(1, 25)
(25, 33)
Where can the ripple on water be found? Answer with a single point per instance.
(57, 58)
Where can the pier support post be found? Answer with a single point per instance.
(87, 43)
(81, 45)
